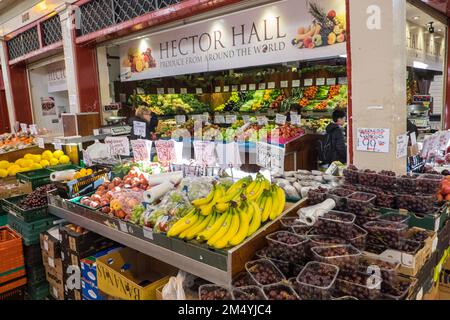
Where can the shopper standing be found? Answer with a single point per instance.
(335, 148)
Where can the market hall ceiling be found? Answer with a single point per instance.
(441, 5)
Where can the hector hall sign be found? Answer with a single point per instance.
(289, 30)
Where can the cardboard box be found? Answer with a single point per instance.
(51, 242)
(413, 150)
(90, 291)
(56, 291)
(78, 242)
(73, 257)
(159, 290)
(130, 275)
(52, 263)
(89, 265)
(433, 294)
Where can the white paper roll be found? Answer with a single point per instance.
(157, 192)
(309, 215)
(173, 177)
(66, 175)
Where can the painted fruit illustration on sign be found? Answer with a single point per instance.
(326, 29)
(139, 61)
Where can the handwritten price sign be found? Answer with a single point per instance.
(166, 151)
(118, 146)
(141, 149)
(373, 140)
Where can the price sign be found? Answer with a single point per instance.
(141, 149)
(262, 120)
(252, 87)
(139, 128)
(118, 146)
(140, 90)
(87, 158)
(308, 82)
(246, 118)
(96, 132)
(217, 89)
(58, 144)
(40, 142)
(295, 119)
(277, 158)
(234, 88)
(197, 117)
(230, 119)
(205, 117)
(271, 112)
(205, 153)
(280, 119)
(166, 151)
(148, 233)
(342, 80)
(226, 88)
(171, 91)
(219, 119)
(320, 81)
(402, 145)
(271, 85)
(160, 90)
(180, 119)
(331, 81)
(199, 90)
(262, 86)
(262, 154)
(373, 140)
(183, 90)
(284, 84)
(295, 83)
(23, 127)
(243, 87)
(33, 129)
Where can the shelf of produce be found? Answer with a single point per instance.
(233, 260)
(17, 154)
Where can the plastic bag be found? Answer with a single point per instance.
(174, 290)
(123, 202)
(98, 150)
(196, 188)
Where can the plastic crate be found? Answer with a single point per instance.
(30, 231)
(38, 291)
(14, 294)
(36, 274)
(3, 219)
(33, 255)
(5, 290)
(63, 167)
(37, 178)
(11, 206)
(82, 186)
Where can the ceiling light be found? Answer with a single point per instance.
(420, 65)
(416, 18)
(343, 55)
(439, 30)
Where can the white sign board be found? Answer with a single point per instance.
(141, 149)
(280, 119)
(57, 80)
(270, 156)
(373, 140)
(205, 153)
(241, 39)
(402, 146)
(139, 128)
(118, 146)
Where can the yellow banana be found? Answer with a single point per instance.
(267, 209)
(180, 223)
(223, 229)
(200, 227)
(275, 204)
(265, 185)
(281, 198)
(206, 200)
(244, 225)
(256, 221)
(239, 184)
(208, 208)
(251, 187)
(215, 217)
(187, 222)
(253, 195)
(232, 231)
(261, 203)
(185, 232)
(229, 196)
(206, 235)
(222, 207)
(248, 209)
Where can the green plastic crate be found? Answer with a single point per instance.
(3, 219)
(36, 275)
(37, 178)
(38, 291)
(11, 206)
(30, 231)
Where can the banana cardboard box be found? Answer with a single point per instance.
(130, 275)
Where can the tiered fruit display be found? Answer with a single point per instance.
(285, 133)
(38, 198)
(83, 173)
(33, 162)
(444, 191)
(231, 105)
(169, 104)
(12, 141)
(225, 218)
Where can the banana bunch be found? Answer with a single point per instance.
(226, 218)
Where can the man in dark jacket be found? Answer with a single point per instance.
(336, 138)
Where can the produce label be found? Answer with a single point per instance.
(295, 83)
(284, 84)
(33, 129)
(262, 120)
(199, 90)
(141, 149)
(298, 30)
(308, 82)
(271, 85)
(320, 81)
(180, 119)
(243, 87)
(166, 151)
(342, 80)
(183, 90)
(270, 156)
(23, 127)
(246, 118)
(219, 119)
(226, 88)
(57, 144)
(139, 128)
(160, 90)
(252, 87)
(402, 145)
(171, 91)
(262, 154)
(228, 154)
(373, 140)
(262, 86)
(331, 81)
(148, 233)
(296, 119)
(230, 119)
(205, 153)
(118, 146)
(218, 89)
(280, 119)
(234, 88)
(40, 142)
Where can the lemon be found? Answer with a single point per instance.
(44, 163)
(4, 164)
(54, 162)
(77, 176)
(3, 173)
(47, 155)
(58, 154)
(83, 172)
(12, 171)
(89, 172)
(28, 156)
(64, 159)
(27, 163)
(36, 158)
(19, 162)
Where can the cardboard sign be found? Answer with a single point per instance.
(295, 83)
(262, 120)
(373, 140)
(296, 119)
(280, 119)
(205, 153)
(166, 151)
(402, 146)
(139, 128)
(180, 119)
(87, 158)
(308, 82)
(320, 81)
(40, 143)
(230, 119)
(118, 146)
(141, 149)
(219, 119)
(33, 129)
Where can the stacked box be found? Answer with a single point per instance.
(51, 257)
(12, 265)
(89, 284)
(76, 245)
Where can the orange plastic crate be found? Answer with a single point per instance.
(12, 285)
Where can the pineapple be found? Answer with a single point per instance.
(321, 18)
